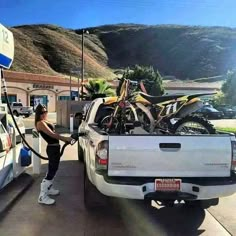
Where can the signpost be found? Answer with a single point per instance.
(77, 72)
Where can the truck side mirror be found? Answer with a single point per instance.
(79, 116)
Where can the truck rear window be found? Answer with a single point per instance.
(103, 111)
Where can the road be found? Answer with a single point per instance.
(69, 216)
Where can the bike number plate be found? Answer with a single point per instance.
(168, 185)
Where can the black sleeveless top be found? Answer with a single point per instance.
(48, 138)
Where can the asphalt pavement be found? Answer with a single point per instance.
(69, 217)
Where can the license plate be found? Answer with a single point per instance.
(168, 185)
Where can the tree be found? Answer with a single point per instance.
(218, 99)
(228, 88)
(152, 79)
(98, 88)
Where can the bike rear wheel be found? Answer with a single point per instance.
(193, 125)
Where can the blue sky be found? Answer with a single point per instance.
(85, 13)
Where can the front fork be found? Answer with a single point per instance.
(148, 114)
(167, 124)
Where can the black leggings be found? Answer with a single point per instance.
(53, 153)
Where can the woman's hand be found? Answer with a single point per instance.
(67, 139)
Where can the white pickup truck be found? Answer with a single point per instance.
(19, 110)
(197, 169)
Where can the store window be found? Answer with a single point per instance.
(62, 98)
(11, 98)
(36, 99)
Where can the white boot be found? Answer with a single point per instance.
(43, 196)
(52, 191)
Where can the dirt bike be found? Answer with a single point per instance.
(168, 114)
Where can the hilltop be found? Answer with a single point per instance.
(185, 52)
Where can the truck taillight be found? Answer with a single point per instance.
(102, 156)
(233, 155)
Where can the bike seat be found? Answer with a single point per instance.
(160, 99)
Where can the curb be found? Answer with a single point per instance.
(13, 191)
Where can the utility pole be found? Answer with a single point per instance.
(82, 65)
(82, 68)
(70, 87)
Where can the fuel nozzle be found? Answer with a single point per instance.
(75, 137)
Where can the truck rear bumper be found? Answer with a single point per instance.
(194, 190)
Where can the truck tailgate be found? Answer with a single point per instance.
(170, 156)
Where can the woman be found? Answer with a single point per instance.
(47, 131)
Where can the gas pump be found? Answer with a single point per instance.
(10, 144)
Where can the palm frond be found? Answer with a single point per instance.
(97, 87)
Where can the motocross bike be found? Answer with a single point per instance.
(168, 114)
